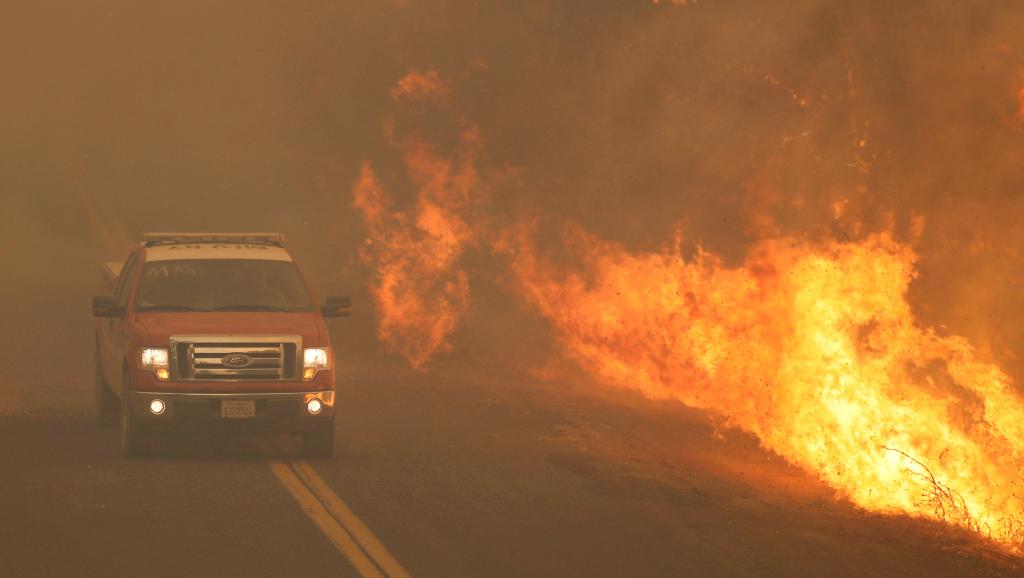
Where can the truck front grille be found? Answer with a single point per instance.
(235, 358)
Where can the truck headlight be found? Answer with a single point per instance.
(155, 359)
(314, 360)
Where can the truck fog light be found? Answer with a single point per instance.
(314, 406)
(157, 406)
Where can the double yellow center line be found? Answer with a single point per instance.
(346, 531)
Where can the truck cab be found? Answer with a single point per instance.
(220, 330)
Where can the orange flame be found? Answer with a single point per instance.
(1020, 105)
(811, 346)
(814, 349)
(418, 287)
(419, 86)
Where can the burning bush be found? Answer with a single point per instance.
(811, 345)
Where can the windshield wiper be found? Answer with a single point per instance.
(169, 308)
(252, 308)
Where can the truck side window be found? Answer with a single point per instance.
(122, 291)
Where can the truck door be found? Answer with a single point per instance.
(111, 330)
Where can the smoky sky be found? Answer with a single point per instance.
(628, 117)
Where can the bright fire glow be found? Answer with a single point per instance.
(811, 346)
(419, 86)
(814, 349)
(418, 288)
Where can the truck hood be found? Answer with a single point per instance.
(161, 326)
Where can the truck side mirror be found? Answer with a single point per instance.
(337, 307)
(106, 306)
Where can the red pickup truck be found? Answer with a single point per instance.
(215, 329)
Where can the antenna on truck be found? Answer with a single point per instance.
(150, 239)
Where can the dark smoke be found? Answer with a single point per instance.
(736, 119)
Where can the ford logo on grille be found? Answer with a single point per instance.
(236, 360)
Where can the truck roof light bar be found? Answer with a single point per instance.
(150, 239)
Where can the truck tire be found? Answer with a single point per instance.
(131, 432)
(107, 404)
(319, 442)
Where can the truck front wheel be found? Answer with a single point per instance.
(131, 434)
(106, 401)
(319, 442)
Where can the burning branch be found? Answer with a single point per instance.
(946, 503)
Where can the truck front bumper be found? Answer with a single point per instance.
(271, 411)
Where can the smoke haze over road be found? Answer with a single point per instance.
(709, 126)
(626, 117)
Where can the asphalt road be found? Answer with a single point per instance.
(472, 469)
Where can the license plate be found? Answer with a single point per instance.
(237, 409)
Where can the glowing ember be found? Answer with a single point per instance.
(419, 86)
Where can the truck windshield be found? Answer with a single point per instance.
(222, 285)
